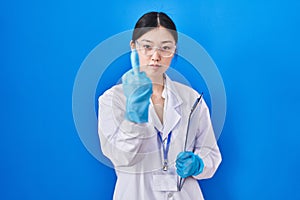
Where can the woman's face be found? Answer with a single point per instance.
(156, 50)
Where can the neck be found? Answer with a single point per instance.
(157, 89)
(157, 84)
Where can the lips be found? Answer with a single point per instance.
(155, 65)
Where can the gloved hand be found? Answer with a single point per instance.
(188, 164)
(137, 88)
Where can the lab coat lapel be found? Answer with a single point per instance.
(172, 114)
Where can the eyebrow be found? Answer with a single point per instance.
(168, 41)
(163, 42)
(144, 40)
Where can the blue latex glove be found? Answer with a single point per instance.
(137, 88)
(188, 164)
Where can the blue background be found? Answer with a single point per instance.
(255, 45)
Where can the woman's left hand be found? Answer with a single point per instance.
(188, 164)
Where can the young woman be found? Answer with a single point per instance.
(159, 150)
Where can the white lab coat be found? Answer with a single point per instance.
(135, 149)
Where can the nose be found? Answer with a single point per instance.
(155, 56)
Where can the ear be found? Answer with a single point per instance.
(132, 44)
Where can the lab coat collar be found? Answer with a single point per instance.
(172, 112)
(172, 94)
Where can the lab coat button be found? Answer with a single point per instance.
(170, 195)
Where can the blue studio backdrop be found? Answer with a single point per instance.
(255, 45)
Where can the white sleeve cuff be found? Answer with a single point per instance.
(134, 130)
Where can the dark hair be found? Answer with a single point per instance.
(153, 20)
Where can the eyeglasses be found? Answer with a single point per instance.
(148, 49)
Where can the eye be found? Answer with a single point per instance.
(147, 47)
(166, 48)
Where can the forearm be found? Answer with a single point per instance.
(124, 146)
(211, 158)
(121, 141)
(206, 146)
